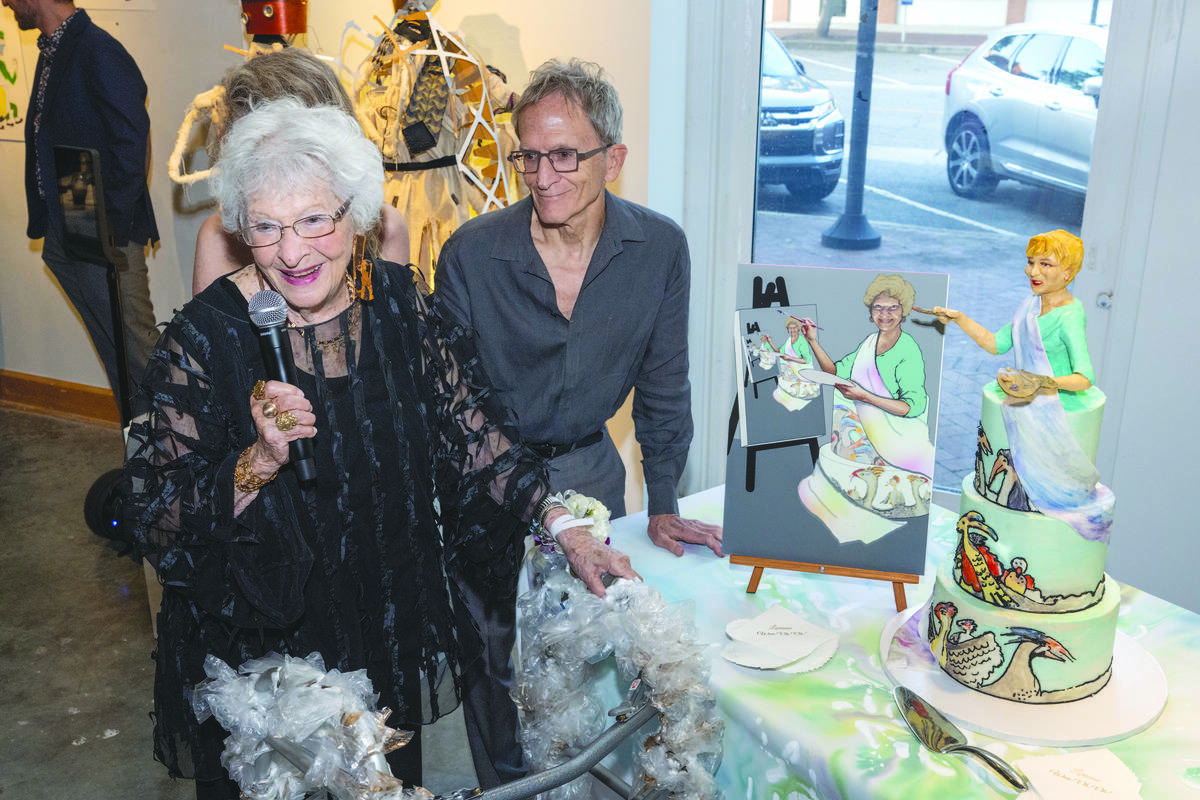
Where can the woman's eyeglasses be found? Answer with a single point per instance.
(314, 226)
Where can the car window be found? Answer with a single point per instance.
(775, 60)
(1084, 59)
(1002, 52)
(1036, 59)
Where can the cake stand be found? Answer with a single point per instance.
(1129, 703)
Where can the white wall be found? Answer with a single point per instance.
(179, 47)
(1140, 230)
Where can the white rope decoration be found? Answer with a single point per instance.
(564, 629)
(202, 106)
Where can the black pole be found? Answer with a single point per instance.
(853, 231)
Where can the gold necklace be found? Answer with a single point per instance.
(334, 344)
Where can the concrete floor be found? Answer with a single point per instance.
(75, 639)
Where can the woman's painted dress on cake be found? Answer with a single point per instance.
(875, 472)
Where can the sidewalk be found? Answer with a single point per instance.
(949, 41)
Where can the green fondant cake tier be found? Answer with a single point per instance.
(999, 482)
(1024, 559)
(1016, 655)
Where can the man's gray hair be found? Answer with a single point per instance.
(583, 83)
(284, 147)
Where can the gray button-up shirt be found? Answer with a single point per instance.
(565, 378)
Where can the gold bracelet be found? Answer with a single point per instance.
(245, 480)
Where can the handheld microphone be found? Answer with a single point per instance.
(268, 312)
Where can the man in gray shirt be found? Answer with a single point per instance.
(577, 297)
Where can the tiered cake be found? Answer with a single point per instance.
(1023, 609)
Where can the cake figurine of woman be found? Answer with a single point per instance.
(1053, 378)
(875, 471)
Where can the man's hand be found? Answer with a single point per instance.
(668, 530)
(591, 558)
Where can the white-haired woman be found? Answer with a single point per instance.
(407, 438)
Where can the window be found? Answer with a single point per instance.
(1001, 54)
(933, 110)
(1037, 58)
(1084, 59)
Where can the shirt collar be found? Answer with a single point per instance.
(513, 242)
(47, 44)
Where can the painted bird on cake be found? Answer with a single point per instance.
(1021, 684)
(979, 569)
(1009, 493)
(970, 659)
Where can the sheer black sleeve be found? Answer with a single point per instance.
(489, 482)
(191, 422)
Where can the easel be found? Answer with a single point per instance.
(897, 579)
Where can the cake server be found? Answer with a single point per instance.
(940, 735)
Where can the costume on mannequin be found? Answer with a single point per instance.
(437, 113)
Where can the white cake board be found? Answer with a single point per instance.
(1129, 703)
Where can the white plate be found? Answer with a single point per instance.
(1131, 701)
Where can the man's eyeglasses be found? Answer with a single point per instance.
(564, 159)
(314, 226)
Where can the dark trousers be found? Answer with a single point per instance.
(493, 729)
(86, 287)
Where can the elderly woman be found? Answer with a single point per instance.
(290, 72)
(891, 352)
(408, 439)
(878, 424)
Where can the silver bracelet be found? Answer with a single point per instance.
(550, 501)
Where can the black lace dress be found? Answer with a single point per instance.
(419, 470)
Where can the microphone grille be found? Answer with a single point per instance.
(268, 309)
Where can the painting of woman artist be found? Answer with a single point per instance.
(876, 470)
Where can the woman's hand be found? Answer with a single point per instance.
(279, 404)
(858, 394)
(590, 558)
(945, 315)
(808, 329)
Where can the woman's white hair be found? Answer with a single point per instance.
(283, 147)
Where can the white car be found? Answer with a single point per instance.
(1023, 106)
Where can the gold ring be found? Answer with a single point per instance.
(269, 409)
(260, 390)
(285, 421)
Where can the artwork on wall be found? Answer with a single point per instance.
(15, 72)
(837, 392)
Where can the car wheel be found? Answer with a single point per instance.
(968, 162)
(812, 191)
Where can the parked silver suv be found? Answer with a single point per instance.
(1023, 106)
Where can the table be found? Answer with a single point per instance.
(835, 733)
